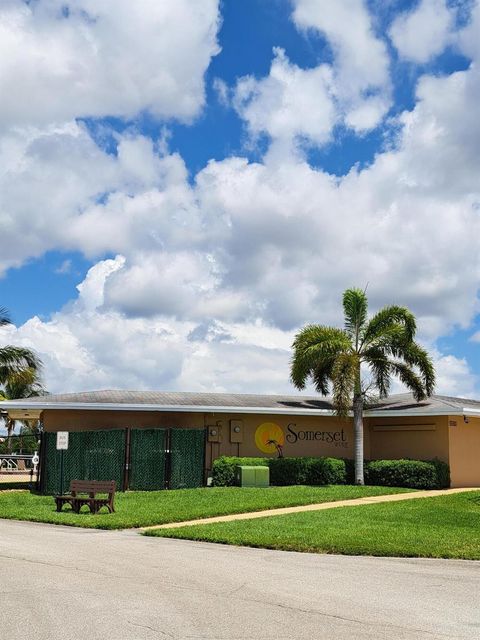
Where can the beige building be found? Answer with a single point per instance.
(257, 425)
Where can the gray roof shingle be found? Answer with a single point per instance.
(396, 404)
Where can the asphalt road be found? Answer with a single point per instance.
(59, 583)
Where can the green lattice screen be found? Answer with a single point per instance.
(187, 458)
(147, 459)
(91, 455)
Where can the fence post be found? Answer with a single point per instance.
(126, 470)
(168, 457)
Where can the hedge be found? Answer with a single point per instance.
(415, 474)
(283, 471)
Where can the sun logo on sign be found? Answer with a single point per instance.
(269, 438)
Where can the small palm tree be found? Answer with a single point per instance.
(15, 359)
(21, 384)
(385, 344)
(19, 373)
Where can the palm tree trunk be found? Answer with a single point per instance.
(358, 431)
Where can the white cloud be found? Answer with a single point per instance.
(423, 33)
(361, 64)
(294, 105)
(65, 59)
(289, 103)
(455, 377)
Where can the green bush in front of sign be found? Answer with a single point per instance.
(283, 471)
(287, 471)
(414, 474)
(326, 471)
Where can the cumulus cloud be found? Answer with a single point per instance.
(289, 103)
(361, 64)
(215, 272)
(424, 32)
(293, 105)
(67, 59)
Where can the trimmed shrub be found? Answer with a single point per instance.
(443, 473)
(283, 471)
(223, 468)
(321, 471)
(287, 471)
(414, 474)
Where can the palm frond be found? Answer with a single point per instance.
(4, 317)
(379, 365)
(355, 307)
(390, 319)
(322, 375)
(409, 378)
(416, 356)
(16, 359)
(315, 346)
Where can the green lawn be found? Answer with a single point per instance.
(143, 508)
(441, 527)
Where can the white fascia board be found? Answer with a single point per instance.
(471, 412)
(109, 406)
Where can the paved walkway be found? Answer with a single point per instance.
(414, 495)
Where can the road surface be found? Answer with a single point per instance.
(59, 583)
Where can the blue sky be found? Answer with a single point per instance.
(154, 199)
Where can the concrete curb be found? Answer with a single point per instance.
(396, 497)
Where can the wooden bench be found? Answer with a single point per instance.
(77, 496)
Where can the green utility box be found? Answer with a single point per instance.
(252, 476)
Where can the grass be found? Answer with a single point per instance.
(440, 527)
(143, 508)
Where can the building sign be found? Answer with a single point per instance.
(62, 440)
(270, 437)
(300, 435)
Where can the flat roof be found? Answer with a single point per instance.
(191, 402)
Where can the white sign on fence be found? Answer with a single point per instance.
(62, 440)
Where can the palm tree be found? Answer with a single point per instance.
(19, 373)
(21, 384)
(384, 344)
(15, 359)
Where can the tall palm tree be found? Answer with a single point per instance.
(384, 344)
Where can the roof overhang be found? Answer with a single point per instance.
(25, 406)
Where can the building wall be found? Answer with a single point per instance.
(413, 437)
(420, 438)
(464, 441)
(298, 435)
(76, 420)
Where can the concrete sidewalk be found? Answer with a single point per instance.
(396, 497)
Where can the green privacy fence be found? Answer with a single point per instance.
(187, 458)
(91, 455)
(148, 459)
(139, 459)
